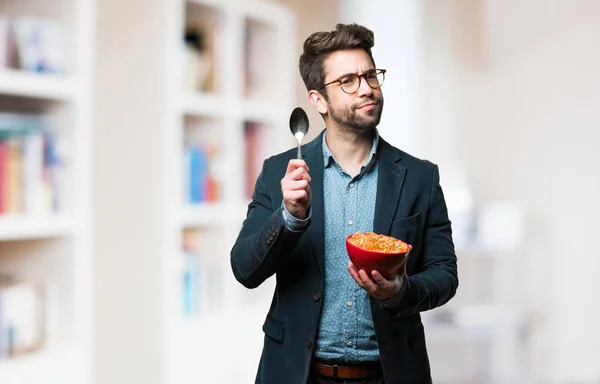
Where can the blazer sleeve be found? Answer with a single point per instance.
(264, 240)
(437, 280)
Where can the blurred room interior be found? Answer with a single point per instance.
(131, 134)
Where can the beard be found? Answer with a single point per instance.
(357, 120)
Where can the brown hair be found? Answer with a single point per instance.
(320, 44)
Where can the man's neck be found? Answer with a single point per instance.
(350, 149)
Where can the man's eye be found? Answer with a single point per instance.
(347, 81)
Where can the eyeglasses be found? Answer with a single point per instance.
(351, 83)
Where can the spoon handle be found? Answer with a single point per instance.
(299, 151)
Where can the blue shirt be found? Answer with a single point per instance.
(346, 331)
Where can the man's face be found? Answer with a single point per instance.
(359, 111)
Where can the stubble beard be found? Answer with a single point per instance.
(350, 119)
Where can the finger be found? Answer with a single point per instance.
(367, 284)
(290, 182)
(296, 163)
(295, 195)
(381, 281)
(294, 174)
(297, 174)
(354, 273)
(295, 185)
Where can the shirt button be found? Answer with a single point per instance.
(350, 222)
(316, 296)
(351, 185)
(349, 343)
(308, 343)
(349, 303)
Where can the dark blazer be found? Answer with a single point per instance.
(410, 206)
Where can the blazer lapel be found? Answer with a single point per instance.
(389, 185)
(313, 155)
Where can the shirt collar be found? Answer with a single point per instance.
(329, 159)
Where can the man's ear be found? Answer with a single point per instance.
(318, 101)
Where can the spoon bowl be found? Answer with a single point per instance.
(299, 126)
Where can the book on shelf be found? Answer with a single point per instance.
(6, 43)
(254, 138)
(199, 56)
(22, 317)
(30, 166)
(200, 275)
(191, 276)
(32, 43)
(201, 184)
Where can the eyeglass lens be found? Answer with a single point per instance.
(351, 83)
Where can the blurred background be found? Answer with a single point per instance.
(131, 134)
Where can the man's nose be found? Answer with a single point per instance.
(364, 89)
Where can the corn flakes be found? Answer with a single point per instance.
(372, 241)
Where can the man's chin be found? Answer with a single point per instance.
(364, 126)
(368, 123)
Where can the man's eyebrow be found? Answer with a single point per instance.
(346, 74)
(341, 77)
(353, 73)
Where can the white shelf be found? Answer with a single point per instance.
(265, 111)
(199, 104)
(22, 227)
(217, 4)
(36, 85)
(212, 214)
(58, 366)
(252, 108)
(204, 214)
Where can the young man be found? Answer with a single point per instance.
(328, 321)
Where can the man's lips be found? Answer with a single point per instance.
(367, 106)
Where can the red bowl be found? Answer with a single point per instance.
(385, 263)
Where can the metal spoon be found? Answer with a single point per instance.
(299, 126)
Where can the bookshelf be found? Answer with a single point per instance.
(45, 235)
(243, 116)
(31, 85)
(21, 227)
(170, 165)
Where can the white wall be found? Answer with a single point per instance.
(524, 121)
(509, 91)
(396, 25)
(128, 163)
(307, 22)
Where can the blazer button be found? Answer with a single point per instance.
(316, 296)
(308, 343)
